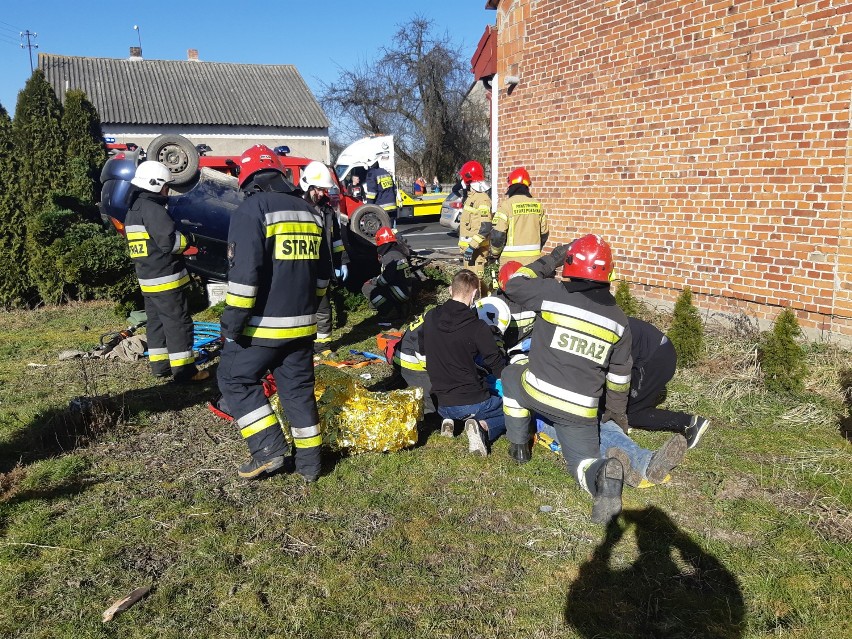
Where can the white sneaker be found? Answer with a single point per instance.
(475, 438)
(448, 428)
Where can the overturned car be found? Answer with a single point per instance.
(205, 194)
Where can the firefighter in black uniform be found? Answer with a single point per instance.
(278, 266)
(315, 182)
(156, 248)
(520, 322)
(580, 350)
(389, 291)
(380, 190)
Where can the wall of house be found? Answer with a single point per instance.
(707, 141)
(309, 143)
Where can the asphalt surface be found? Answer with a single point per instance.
(429, 239)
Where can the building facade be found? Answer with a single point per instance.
(707, 141)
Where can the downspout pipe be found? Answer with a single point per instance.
(495, 129)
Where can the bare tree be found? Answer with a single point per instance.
(416, 91)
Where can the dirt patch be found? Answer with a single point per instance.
(826, 515)
(9, 482)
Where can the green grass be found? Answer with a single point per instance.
(751, 538)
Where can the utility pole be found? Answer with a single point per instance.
(29, 45)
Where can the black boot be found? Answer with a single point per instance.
(607, 498)
(521, 453)
(254, 468)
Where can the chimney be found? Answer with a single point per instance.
(192, 54)
(135, 53)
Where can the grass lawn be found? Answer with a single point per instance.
(751, 538)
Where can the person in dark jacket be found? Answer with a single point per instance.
(278, 266)
(380, 189)
(155, 249)
(453, 338)
(389, 291)
(315, 182)
(654, 364)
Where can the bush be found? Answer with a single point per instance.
(687, 331)
(781, 357)
(44, 234)
(625, 300)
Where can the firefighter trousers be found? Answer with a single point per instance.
(169, 335)
(421, 379)
(241, 369)
(580, 442)
(385, 298)
(324, 323)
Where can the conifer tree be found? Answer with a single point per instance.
(14, 289)
(782, 359)
(687, 332)
(625, 300)
(84, 151)
(39, 145)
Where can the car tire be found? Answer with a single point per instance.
(178, 154)
(367, 220)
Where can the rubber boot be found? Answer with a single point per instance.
(609, 482)
(521, 453)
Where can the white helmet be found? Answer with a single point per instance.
(316, 174)
(151, 176)
(494, 312)
(480, 187)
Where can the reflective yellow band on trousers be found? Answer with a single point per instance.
(279, 333)
(239, 301)
(166, 286)
(259, 425)
(308, 442)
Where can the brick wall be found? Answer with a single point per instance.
(707, 141)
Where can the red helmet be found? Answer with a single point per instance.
(385, 236)
(472, 171)
(258, 158)
(519, 176)
(507, 271)
(588, 258)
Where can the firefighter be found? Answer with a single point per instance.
(380, 189)
(409, 359)
(278, 266)
(475, 223)
(580, 352)
(520, 320)
(520, 226)
(156, 248)
(315, 182)
(389, 291)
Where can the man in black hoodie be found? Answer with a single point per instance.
(453, 337)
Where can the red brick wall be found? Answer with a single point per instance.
(707, 141)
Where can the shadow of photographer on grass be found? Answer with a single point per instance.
(672, 589)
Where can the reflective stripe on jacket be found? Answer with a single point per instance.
(476, 212)
(279, 264)
(521, 223)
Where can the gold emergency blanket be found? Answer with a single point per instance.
(359, 421)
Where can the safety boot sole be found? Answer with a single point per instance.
(631, 476)
(475, 438)
(253, 469)
(609, 483)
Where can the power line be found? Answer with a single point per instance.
(9, 40)
(10, 25)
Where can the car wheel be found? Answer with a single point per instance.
(367, 220)
(178, 154)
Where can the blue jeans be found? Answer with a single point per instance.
(490, 411)
(613, 437)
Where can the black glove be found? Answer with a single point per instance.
(559, 253)
(620, 419)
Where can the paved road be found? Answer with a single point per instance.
(429, 238)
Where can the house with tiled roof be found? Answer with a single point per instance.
(226, 106)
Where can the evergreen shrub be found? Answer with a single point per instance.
(782, 359)
(687, 331)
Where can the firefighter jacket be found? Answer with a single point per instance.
(410, 353)
(380, 189)
(394, 275)
(278, 266)
(331, 233)
(155, 245)
(520, 229)
(581, 343)
(475, 222)
(520, 324)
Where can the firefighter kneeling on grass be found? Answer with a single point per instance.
(389, 291)
(156, 248)
(278, 265)
(581, 349)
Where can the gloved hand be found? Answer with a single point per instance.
(191, 250)
(559, 253)
(468, 254)
(620, 419)
(341, 273)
